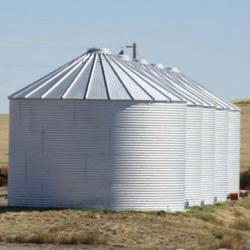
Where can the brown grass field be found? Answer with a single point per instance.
(4, 140)
(244, 105)
(224, 225)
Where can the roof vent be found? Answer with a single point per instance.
(125, 57)
(158, 65)
(141, 61)
(99, 50)
(174, 69)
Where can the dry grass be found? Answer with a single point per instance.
(232, 241)
(242, 224)
(244, 105)
(4, 140)
(209, 227)
(59, 237)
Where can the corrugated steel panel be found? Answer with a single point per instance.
(221, 156)
(193, 156)
(233, 174)
(97, 154)
(208, 155)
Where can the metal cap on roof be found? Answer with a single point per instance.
(125, 57)
(96, 75)
(141, 61)
(158, 65)
(174, 69)
(98, 50)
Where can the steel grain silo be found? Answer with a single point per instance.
(213, 128)
(95, 134)
(227, 137)
(195, 105)
(199, 173)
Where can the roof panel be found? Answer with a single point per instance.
(78, 87)
(154, 82)
(97, 87)
(115, 87)
(59, 89)
(31, 87)
(135, 91)
(172, 92)
(145, 84)
(218, 102)
(187, 95)
(49, 83)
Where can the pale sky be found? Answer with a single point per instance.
(207, 40)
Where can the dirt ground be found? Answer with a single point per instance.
(211, 227)
(14, 246)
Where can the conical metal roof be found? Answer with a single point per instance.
(155, 73)
(96, 75)
(183, 79)
(198, 96)
(194, 93)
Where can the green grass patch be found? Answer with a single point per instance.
(243, 203)
(241, 224)
(204, 213)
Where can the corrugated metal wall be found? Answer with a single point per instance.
(208, 155)
(233, 151)
(221, 138)
(97, 154)
(193, 155)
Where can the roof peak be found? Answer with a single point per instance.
(98, 50)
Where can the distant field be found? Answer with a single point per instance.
(244, 105)
(4, 140)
